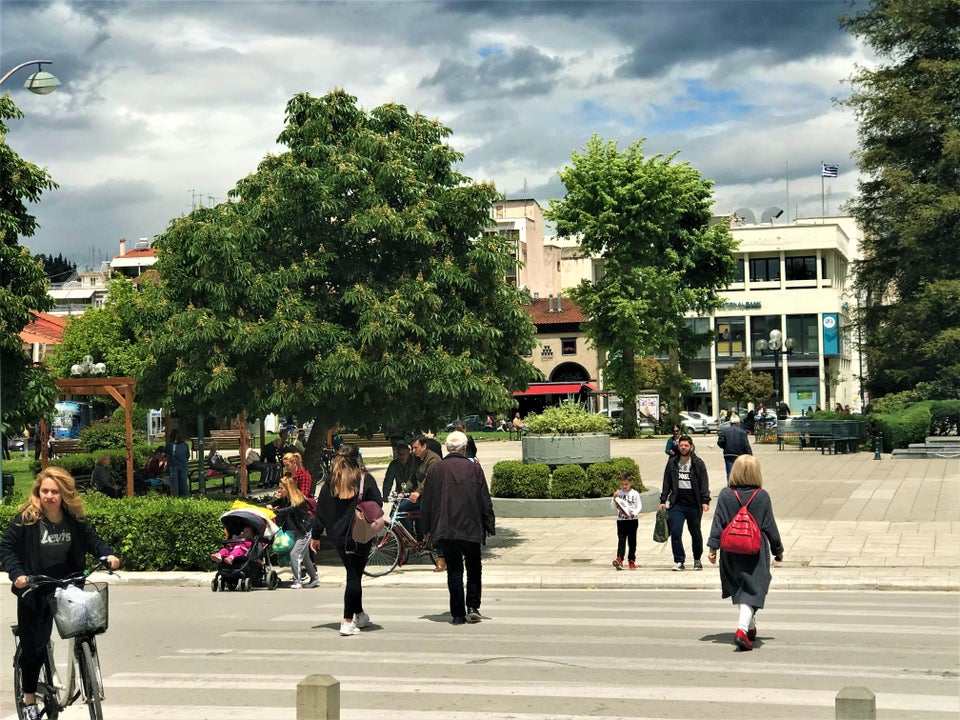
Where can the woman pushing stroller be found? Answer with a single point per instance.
(292, 516)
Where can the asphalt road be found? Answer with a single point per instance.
(179, 653)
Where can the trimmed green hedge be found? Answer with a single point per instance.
(82, 463)
(153, 532)
(514, 479)
(910, 425)
(945, 417)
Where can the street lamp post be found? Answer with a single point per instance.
(775, 346)
(39, 83)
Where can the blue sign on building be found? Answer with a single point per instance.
(831, 334)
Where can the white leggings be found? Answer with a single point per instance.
(748, 617)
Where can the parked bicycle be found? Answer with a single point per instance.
(79, 619)
(395, 544)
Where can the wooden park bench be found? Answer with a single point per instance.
(58, 448)
(830, 436)
(377, 440)
(225, 440)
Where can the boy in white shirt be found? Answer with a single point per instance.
(626, 501)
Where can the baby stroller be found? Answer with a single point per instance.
(254, 569)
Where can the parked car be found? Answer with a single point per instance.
(710, 422)
(694, 424)
(473, 423)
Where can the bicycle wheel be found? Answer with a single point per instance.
(47, 702)
(90, 678)
(384, 553)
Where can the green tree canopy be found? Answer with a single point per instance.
(346, 280)
(908, 205)
(649, 220)
(28, 393)
(745, 386)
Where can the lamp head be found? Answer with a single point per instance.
(41, 83)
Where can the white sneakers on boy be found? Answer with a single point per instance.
(349, 629)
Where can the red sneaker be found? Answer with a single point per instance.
(633, 565)
(743, 640)
(618, 563)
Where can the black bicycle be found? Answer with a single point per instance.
(80, 613)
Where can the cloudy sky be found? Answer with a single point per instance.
(166, 104)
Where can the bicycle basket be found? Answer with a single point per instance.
(80, 611)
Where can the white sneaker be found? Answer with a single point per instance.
(30, 712)
(296, 586)
(349, 629)
(678, 566)
(361, 620)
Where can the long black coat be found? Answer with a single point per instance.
(456, 502)
(746, 578)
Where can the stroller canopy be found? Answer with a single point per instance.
(254, 518)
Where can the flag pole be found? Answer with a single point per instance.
(787, 173)
(823, 210)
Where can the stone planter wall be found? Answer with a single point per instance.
(554, 450)
(587, 507)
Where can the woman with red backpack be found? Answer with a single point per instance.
(745, 577)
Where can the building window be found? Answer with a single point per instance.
(801, 268)
(738, 274)
(760, 327)
(805, 331)
(764, 269)
(730, 337)
(568, 346)
(700, 326)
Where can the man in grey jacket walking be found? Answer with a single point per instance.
(457, 512)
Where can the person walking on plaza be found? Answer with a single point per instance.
(686, 488)
(671, 448)
(626, 501)
(178, 455)
(349, 485)
(746, 578)
(734, 441)
(293, 516)
(48, 536)
(457, 512)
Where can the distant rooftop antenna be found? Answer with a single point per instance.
(744, 216)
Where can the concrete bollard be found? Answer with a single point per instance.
(318, 698)
(856, 703)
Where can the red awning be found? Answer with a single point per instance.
(554, 389)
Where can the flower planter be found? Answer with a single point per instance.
(554, 450)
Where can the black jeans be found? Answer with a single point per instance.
(678, 515)
(460, 553)
(627, 538)
(354, 562)
(35, 621)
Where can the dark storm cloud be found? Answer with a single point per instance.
(518, 71)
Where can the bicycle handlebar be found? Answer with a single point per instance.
(35, 582)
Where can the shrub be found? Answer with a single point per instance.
(567, 419)
(109, 435)
(945, 417)
(910, 425)
(625, 464)
(602, 479)
(533, 480)
(82, 463)
(569, 481)
(504, 482)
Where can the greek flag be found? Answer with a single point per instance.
(829, 171)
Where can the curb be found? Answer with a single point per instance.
(582, 507)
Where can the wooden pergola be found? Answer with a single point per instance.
(120, 389)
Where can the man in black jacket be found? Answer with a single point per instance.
(456, 510)
(734, 441)
(687, 488)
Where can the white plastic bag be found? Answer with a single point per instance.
(80, 610)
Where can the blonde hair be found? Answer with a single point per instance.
(32, 510)
(293, 491)
(346, 476)
(296, 457)
(746, 471)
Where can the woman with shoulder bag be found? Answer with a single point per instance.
(292, 516)
(349, 485)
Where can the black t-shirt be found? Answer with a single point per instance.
(55, 541)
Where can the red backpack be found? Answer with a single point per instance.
(741, 536)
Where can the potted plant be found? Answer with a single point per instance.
(566, 434)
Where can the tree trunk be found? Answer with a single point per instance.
(628, 416)
(674, 409)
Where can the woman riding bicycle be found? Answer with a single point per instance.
(49, 536)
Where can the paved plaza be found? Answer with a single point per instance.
(847, 522)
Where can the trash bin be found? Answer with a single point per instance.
(7, 483)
